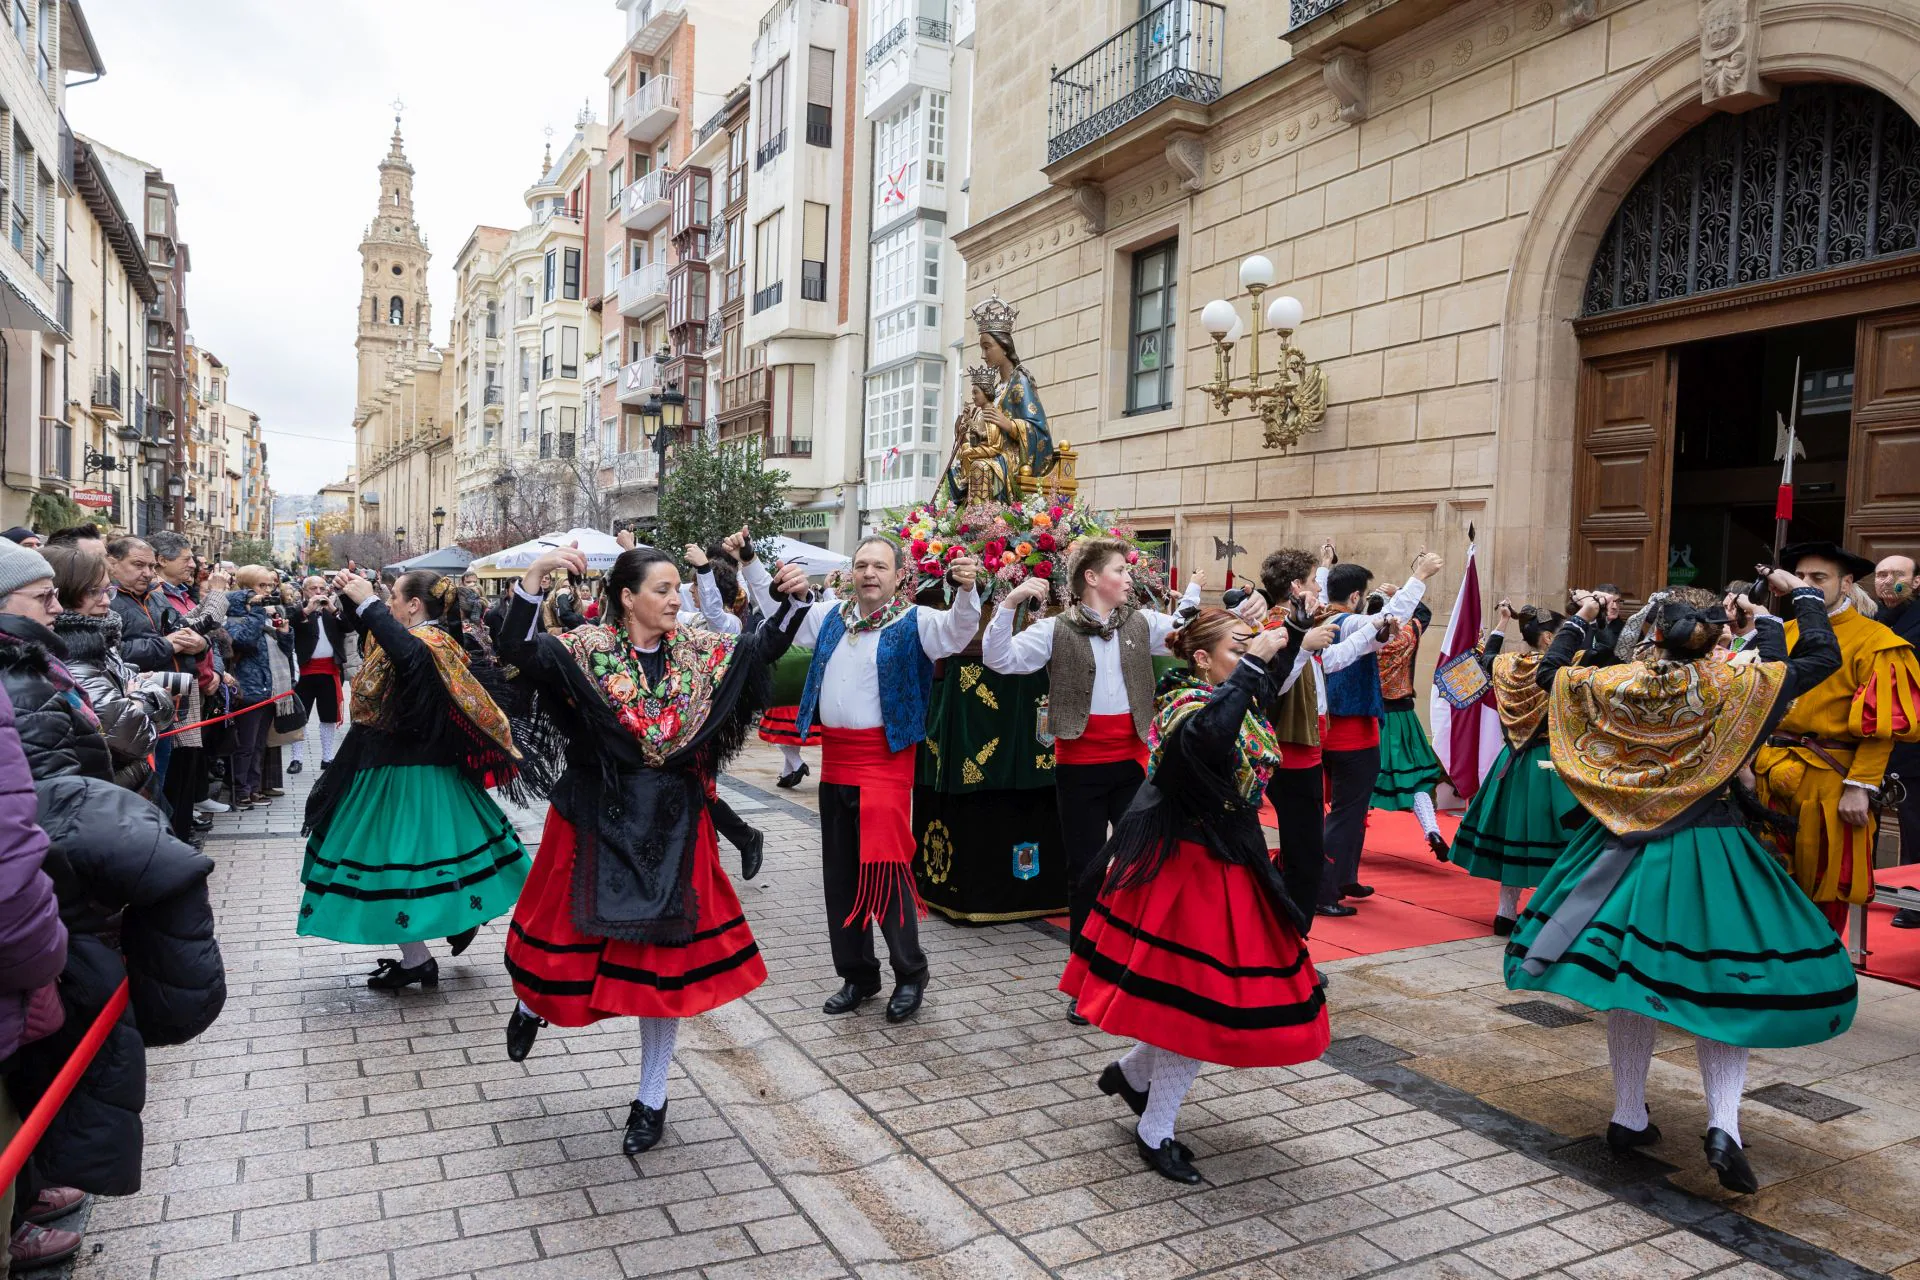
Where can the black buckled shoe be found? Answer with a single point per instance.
(391, 975)
(1113, 1083)
(788, 781)
(1438, 843)
(645, 1127)
(295, 766)
(1356, 891)
(752, 854)
(521, 1030)
(848, 998)
(1503, 926)
(1730, 1162)
(905, 1001)
(1074, 1015)
(464, 939)
(1623, 1139)
(1170, 1160)
(1337, 910)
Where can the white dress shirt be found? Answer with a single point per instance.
(850, 687)
(1359, 636)
(1032, 649)
(708, 604)
(322, 647)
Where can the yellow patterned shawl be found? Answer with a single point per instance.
(371, 704)
(1639, 744)
(1521, 701)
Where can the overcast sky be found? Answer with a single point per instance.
(271, 120)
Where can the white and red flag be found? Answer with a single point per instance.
(1466, 741)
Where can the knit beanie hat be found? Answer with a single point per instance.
(20, 567)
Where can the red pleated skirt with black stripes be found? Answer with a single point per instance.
(781, 726)
(571, 979)
(1198, 961)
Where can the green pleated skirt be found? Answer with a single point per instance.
(1512, 830)
(1408, 767)
(411, 853)
(1704, 932)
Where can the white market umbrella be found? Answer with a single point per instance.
(817, 561)
(601, 550)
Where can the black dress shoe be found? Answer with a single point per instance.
(1357, 891)
(391, 975)
(324, 764)
(905, 1001)
(1169, 1160)
(1623, 1139)
(295, 766)
(788, 781)
(1730, 1162)
(1338, 909)
(848, 998)
(464, 939)
(645, 1126)
(752, 854)
(1503, 926)
(1113, 1083)
(1438, 843)
(1905, 918)
(521, 1029)
(201, 822)
(1075, 1017)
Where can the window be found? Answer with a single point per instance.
(930, 278)
(631, 433)
(893, 271)
(43, 56)
(768, 276)
(526, 425)
(552, 264)
(569, 428)
(640, 252)
(773, 114)
(570, 274)
(937, 137)
(396, 311)
(493, 319)
(896, 163)
(546, 433)
(813, 252)
(569, 351)
(526, 301)
(819, 97)
(1150, 351)
(526, 369)
(546, 353)
(615, 257)
(23, 192)
(616, 183)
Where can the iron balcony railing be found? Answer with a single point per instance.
(1301, 12)
(768, 297)
(769, 149)
(926, 28)
(494, 394)
(1176, 51)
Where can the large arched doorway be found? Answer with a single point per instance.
(1754, 245)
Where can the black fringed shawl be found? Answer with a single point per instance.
(635, 823)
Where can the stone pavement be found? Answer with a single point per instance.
(319, 1129)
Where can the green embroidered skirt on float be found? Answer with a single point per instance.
(1512, 831)
(1704, 931)
(1408, 767)
(411, 852)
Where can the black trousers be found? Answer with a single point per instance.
(736, 829)
(1909, 810)
(1091, 798)
(1299, 798)
(321, 690)
(185, 787)
(853, 955)
(1350, 779)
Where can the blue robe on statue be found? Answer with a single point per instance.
(1019, 401)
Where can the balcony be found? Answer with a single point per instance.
(891, 495)
(789, 447)
(716, 330)
(1315, 28)
(717, 240)
(769, 296)
(651, 23)
(1129, 95)
(56, 449)
(911, 340)
(107, 401)
(644, 291)
(813, 281)
(649, 111)
(746, 394)
(770, 150)
(493, 395)
(962, 24)
(130, 427)
(646, 205)
(912, 54)
(640, 380)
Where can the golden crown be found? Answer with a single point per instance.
(996, 315)
(983, 376)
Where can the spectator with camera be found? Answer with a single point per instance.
(320, 644)
(253, 629)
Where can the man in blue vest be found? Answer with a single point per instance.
(867, 689)
(1350, 747)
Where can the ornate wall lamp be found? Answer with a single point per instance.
(1294, 401)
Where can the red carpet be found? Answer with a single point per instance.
(1893, 954)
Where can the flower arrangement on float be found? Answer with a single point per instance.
(1014, 540)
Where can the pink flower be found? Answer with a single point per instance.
(1133, 557)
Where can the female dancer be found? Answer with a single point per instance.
(404, 843)
(1513, 830)
(628, 912)
(1664, 906)
(1194, 948)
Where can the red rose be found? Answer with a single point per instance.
(1045, 542)
(1044, 569)
(955, 551)
(993, 549)
(918, 549)
(1054, 514)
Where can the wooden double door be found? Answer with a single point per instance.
(1624, 443)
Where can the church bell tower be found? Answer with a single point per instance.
(395, 315)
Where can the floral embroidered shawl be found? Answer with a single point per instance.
(1517, 695)
(664, 717)
(1256, 752)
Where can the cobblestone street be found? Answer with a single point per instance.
(321, 1129)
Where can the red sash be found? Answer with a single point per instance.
(860, 758)
(1107, 740)
(1295, 756)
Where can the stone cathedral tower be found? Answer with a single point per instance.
(394, 311)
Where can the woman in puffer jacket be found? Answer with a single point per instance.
(253, 632)
(132, 706)
(133, 899)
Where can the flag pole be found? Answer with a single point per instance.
(1783, 503)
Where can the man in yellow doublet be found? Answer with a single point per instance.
(1825, 761)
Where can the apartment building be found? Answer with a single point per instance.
(917, 98)
(802, 333)
(481, 322)
(112, 291)
(672, 77)
(227, 494)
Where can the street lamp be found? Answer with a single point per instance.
(503, 490)
(93, 460)
(665, 412)
(439, 523)
(400, 540)
(1294, 401)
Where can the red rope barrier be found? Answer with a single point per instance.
(217, 719)
(15, 1157)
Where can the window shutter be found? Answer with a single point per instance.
(814, 243)
(820, 77)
